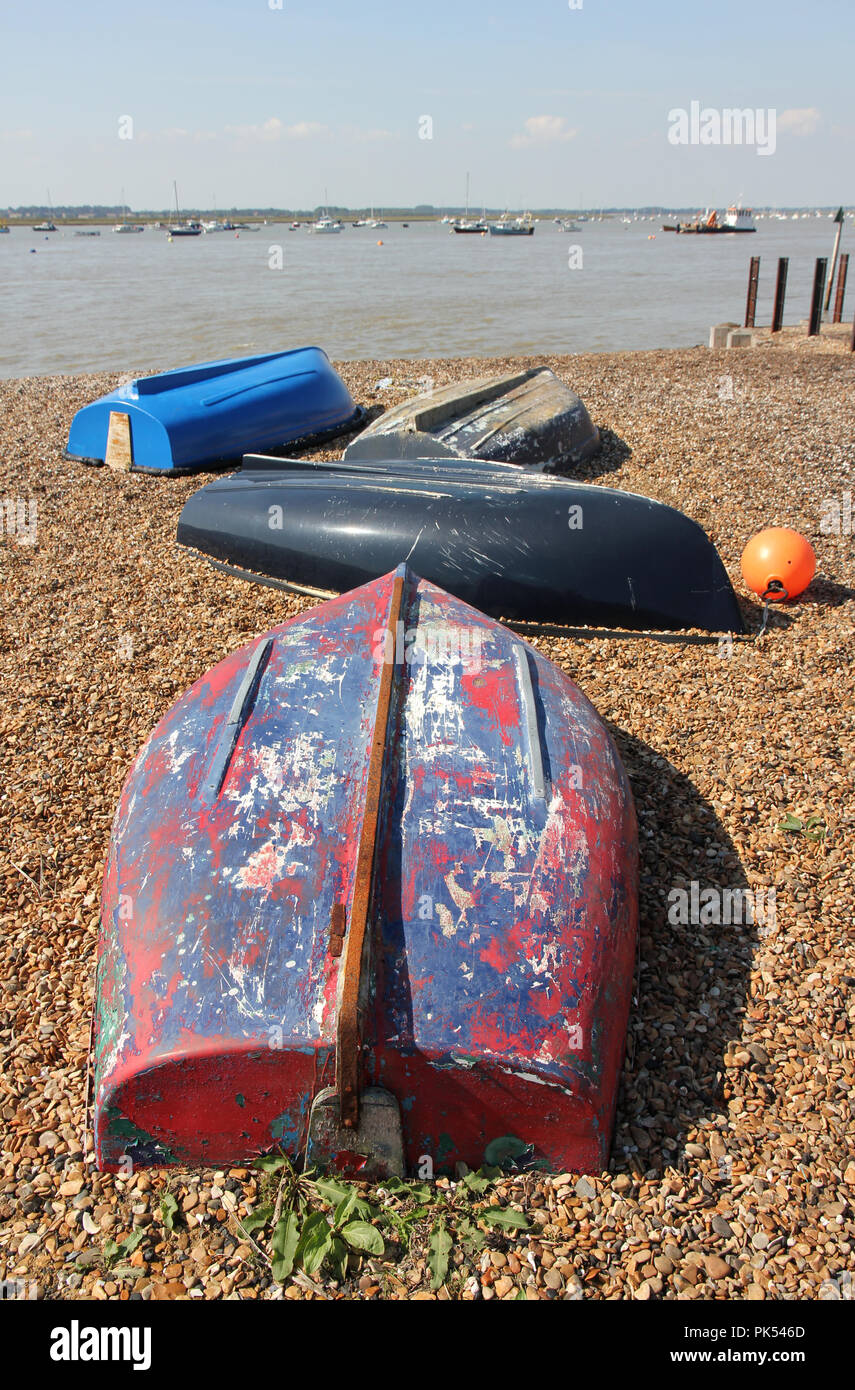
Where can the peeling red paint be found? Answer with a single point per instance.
(503, 924)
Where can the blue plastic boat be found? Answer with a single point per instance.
(193, 418)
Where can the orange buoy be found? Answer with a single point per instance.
(778, 563)
(379, 243)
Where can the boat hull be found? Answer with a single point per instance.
(517, 547)
(197, 417)
(530, 418)
(503, 913)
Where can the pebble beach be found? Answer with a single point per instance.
(733, 1167)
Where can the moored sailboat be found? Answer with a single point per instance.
(178, 228)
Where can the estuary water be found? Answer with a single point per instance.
(139, 303)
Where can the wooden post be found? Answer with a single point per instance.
(780, 294)
(751, 301)
(816, 297)
(837, 316)
(839, 220)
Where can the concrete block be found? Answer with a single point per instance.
(740, 338)
(719, 332)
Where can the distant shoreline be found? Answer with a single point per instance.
(72, 218)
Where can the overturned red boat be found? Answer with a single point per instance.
(371, 897)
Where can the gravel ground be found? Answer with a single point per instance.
(732, 1174)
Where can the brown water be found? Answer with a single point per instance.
(135, 303)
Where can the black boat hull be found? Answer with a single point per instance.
(558, 552)
(530, 418)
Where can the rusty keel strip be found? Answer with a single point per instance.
(348, 1040)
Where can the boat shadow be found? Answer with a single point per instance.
(692, 977)
(609, 458)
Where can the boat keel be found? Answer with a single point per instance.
(373, 1148)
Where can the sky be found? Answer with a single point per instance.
(545, 103)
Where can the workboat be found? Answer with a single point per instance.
(195, 417)
(516, 545)
(513, 226)
(528, 417)
(737, 219)
(130, 228)
(371, 895)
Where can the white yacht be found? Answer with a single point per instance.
(326, 226)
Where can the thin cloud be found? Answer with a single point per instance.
(274, 129)
(365, 137)
(803, 120)
(175, 135)
(543, 130)
(305, 130)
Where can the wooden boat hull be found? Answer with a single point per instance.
(197, 417)
(503, 908)
(529, 418)
(514, 545)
